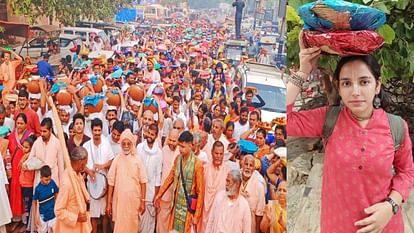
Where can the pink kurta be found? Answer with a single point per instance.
(256, 198)
(214, 182)
(164, 213)
(229, 215)
(126, 174)
(51, 153)
(67, 208)
(357, 166)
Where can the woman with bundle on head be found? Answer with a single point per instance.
(359, 191)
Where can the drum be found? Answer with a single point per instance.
(97, 189)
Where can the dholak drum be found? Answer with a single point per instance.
(98, 188)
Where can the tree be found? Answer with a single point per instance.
(396, 56)
(67, 11)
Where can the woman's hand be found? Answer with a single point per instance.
(308, 57)
(380, 214)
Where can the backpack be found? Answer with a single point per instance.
(396, 125)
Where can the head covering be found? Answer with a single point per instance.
(35, 96)
(128, 136)
(65, 108)
(281, 152)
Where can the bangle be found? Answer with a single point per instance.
(298, 81)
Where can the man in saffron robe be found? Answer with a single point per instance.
(127, 180)
(69, 219)
(215, 174)
(230, 211)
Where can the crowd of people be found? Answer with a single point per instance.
(161, 138)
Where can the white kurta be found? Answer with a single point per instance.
(152, 160)
(210, 142)
(98, 155)
(5, 210)
(116, 147)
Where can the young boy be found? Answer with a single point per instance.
(44, 198)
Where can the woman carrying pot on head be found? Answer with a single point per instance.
(359, 191)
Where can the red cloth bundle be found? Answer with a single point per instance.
(344, 43)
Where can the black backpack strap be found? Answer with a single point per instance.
(330, 121)
(397, 129)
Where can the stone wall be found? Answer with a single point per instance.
(401, 97)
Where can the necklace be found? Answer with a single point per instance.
(362, 118)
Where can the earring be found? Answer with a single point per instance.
(377, 102)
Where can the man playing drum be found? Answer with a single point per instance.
(100, 157)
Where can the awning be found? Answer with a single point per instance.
(15, 29)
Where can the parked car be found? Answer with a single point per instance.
(86, 34)
(36, 47)
(268, 81)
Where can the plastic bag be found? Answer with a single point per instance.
(331, 15)
(344, 43)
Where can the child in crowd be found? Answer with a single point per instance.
(27, 177)
(45, 196)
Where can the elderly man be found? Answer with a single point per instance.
(215, 174)
(127, 180)
(69, 219)
(216, 135)
(169, 154)
(253, 190)
(230, 212)
(151, 155)
(192, 181)
(201, 155)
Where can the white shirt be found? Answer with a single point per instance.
(210, 142)
(100, 154)
(203, 157)
(239, 130)
(116, 147)
(152, 160)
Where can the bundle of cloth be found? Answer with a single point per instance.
(342, 28)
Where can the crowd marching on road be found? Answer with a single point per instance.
(161, 138)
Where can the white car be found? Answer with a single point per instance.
(36, 47)
(268, 81)
(86, 34)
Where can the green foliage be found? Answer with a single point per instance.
(67, 11)
(396, 56)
